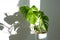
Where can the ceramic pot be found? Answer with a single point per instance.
(40, 36)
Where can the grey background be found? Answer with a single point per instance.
(52, 9)
(23, 2)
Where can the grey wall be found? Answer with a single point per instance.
(23, 2)
(52, 9)
(29, 36)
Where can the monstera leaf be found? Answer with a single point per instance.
(43, 21)
(24, 10)
(32, 15)
(29, 13)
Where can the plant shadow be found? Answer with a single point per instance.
(18, 21)
(23, 30)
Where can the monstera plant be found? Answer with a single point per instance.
(33, 15)
(38, 19)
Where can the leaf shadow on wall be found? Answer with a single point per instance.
(23, 30)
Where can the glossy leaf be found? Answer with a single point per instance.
(24, 10)
(45, 18)
(41, 13)
(32, 15)
(34, 8)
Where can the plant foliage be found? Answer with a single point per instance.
(32, 14)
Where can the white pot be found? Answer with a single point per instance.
(42, 36)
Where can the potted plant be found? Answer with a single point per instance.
(36, 17)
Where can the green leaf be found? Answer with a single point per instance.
(45, 18)
(36, 13)
(41, 13)
(43, 27)
(46, 27)
(36, 28)
(32, 16)
(34, 8)
(43, 21)
(33, 19)
(24, 10)
(42, 24)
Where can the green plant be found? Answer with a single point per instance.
(32, 15)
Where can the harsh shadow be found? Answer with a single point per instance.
(23, 30)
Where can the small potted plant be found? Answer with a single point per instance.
(36, 17)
